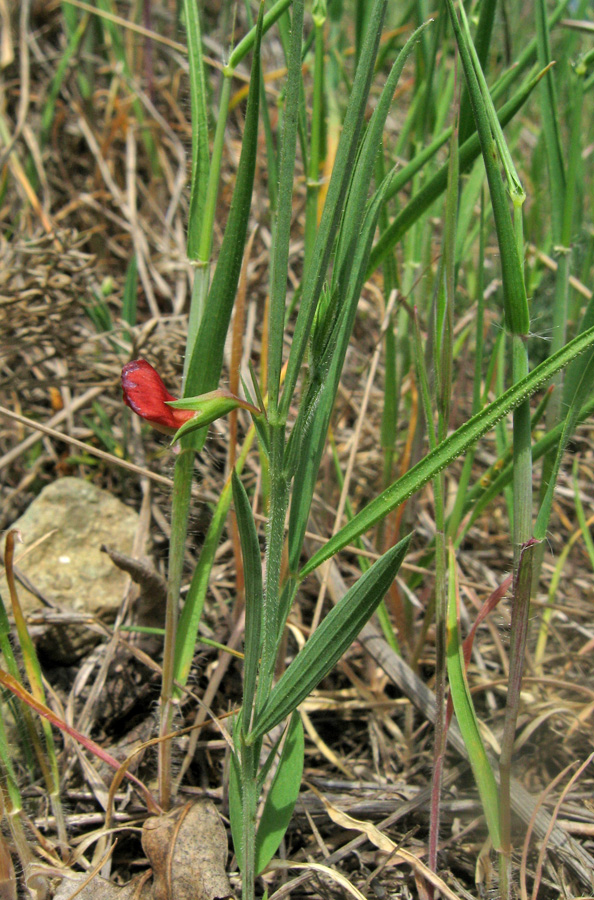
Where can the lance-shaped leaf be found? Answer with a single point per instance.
(517, 316)
(207, 353)
(455, 445)
(335, 635)
(427, 195)
(252, 566)
(465, 714)
(200, 154)
(282, 795)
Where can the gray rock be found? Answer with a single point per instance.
(68, 567)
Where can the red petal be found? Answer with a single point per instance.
(145, 393)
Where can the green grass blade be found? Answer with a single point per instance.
(282, 795)
(251, 39)
(550, 123)
(584, 390)
(341, 173)
(191, 614)
(236, 805)
(465, 714)
(424, 198)
(49, 108)
(330, 640)
(252, 567)
(200, 153)
(207, 353)
(282, 228)
(308, 438)
(363, 172)
(480, 496)
(482, 42)
(448, 450)
(514, 291)
(577, 367)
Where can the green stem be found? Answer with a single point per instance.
(249, 766)
(274, 551)
(182, 486)
(313, 173)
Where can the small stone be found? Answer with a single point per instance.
(68, 567)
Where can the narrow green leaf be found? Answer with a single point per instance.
(236, 806)
(282, 227)
(465, 714)
(341, 174)
(370, 146)
(308, 439)
(335, 635)
(437, 185)
(480, 496)
(482, 42)
(198, 101)
(454, 446)
(185, 642)
(282, 795)
(207, 354)
(584, 390)
(66, 54)
(575, 371)
(251, 39)
(517, 316)
(252, 567)
(550, 121)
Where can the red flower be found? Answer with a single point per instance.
(145, 393)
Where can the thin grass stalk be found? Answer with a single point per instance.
(557, 193)
(524, 549)
(482, 43)
(427, 110)
(271, 157)
(426, 196)
(182, 476)
(180, 504)
(517, 320)
(196, 596)
(565, 206)
(282, 226)
(454, 445)
(528, 55)
(457, 512)
(389, 425)
(206, 223)
(204, 227)
(279, 487)
(200, 151)
(249, 768)
(315, 143)
(331, 215)
(439, 606)
(268, 628)
(204, 355)
(443, 340)
(464, 708)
